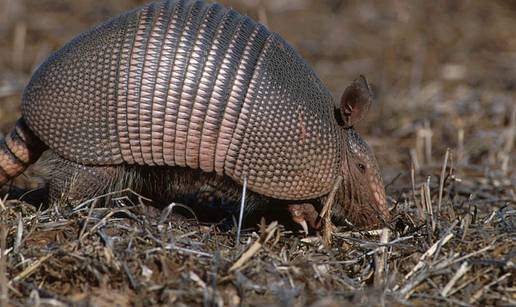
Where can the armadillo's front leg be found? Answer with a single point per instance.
(305, 215)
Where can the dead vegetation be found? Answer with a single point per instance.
(444, 131)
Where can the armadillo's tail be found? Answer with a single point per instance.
(20, 148)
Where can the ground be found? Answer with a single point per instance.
(443, 128)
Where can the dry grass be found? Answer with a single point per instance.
(443, 129)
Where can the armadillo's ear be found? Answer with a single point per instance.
(355, 102)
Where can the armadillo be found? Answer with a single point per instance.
(177, 94)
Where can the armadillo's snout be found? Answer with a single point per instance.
(379, 200)
(369, 209)
(362, 199)
(362, 202)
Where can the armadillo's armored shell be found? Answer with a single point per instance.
(191, 84)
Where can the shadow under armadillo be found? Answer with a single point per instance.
(37, 197)
(214, 199)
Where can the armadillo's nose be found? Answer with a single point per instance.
(380, 199)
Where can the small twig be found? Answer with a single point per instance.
(430, 208)
(241, 214)
(132, 280)
(460, 144)
(428, 133)
(90, 212)
(414, 199)
(470, 280)
(19, 232)
(414, 160)
(194, 277)
(104, 219)
(2, 202)
(441, 181)
(187, 250)
(85, 203)
(166, 212)
(464, 268)
(482, 290)
(326, 212)
(446, 233)
(255, 247)
(262, 15)
(31, 269)
(480, 251)
(393, 180)
(380, 260)
(428, 254)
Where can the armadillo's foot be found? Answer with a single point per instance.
(305, 215)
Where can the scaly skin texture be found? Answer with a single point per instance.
(18, 150)
(191, 85)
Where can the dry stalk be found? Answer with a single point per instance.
(326, 213)
(426, 203)
(19, 232)
(104, 220)
(418, 152)
(130, 191)
(168, 210)
(262, 15)
(429, 253)
(428, 133)
(31, 268)
(460, 145)
(430, 208)
(187, 251)
(464, 268)
(255, 247)
(380, 260)
(414, 160)
(470, 280)
(2, 202)
(242, 209)
(419, 205)
(88, 217)
(478, 294)
(441, 180)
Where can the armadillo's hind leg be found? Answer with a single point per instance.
(20, 148)
(73, 182)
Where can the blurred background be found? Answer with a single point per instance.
(444, 72)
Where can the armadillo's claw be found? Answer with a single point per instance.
(305, 215)
(304, 224)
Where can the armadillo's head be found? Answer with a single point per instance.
(361, 199)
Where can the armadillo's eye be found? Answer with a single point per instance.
(361, 167)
